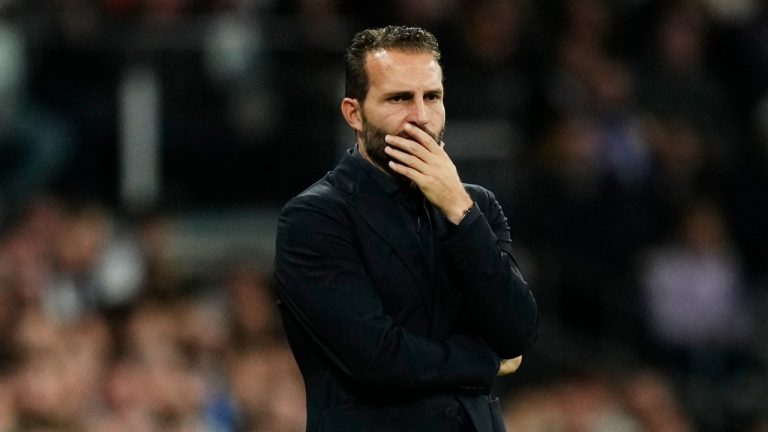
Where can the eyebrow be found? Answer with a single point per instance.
(408, 93)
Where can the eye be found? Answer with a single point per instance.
(397, 98)
(432, 97)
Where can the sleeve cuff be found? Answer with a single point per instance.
(471, 216)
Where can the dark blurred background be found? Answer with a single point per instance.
(146, 147)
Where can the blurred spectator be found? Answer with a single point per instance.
(492, 33)
(677, 84)
(590, 403)
(580, 48)
(34, 144)
(681, 172)
(93, 267)
(653, 402)
(154, 236)
(698, 311)
(321, 23)
(624, 143)
(59, 372)
(533, 410)
(268, 391)
(587, 79)
(29, 246)
(694, 285)
(251, 308)
(172, 393)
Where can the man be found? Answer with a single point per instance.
(399, 295)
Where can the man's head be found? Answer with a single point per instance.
(393, 78)
(406, 39)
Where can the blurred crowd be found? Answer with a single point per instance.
(99, 332)
(627, 141)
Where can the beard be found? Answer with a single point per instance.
(373, 140)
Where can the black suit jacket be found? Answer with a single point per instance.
(387, 338)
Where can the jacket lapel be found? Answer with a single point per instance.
(388, 219)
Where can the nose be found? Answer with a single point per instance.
(417, 113)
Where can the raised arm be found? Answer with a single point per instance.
(481, 245)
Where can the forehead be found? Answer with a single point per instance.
(396, 68)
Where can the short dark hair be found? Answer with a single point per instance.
(412, 39)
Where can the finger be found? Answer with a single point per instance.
(421, 136)
(406, 159)
(409, 146)
(408, 172)
(509, 366)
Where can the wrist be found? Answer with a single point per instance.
(458, 211)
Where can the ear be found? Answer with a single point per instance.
(353, 114)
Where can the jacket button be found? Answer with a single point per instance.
(450, 412)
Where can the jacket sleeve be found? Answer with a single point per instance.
(322, 282)
(501, 302)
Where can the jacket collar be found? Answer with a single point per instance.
(374, 198)
(387, 183)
